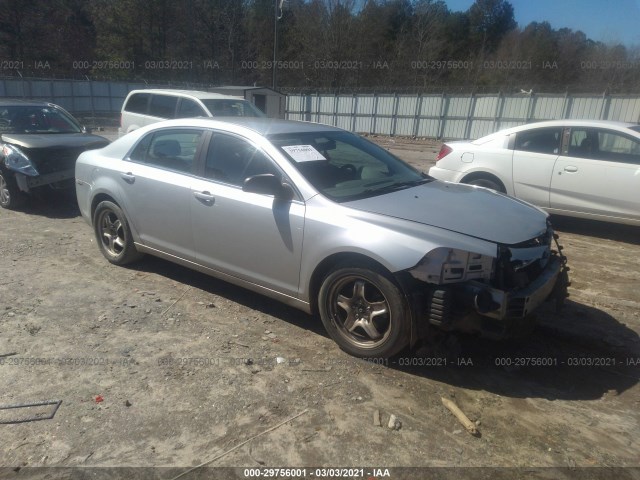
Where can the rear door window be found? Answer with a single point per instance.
(137, 103)
(188, 109)
(163, 106)
(173, 149)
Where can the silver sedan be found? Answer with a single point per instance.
(325, 221)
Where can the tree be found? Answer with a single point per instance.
(216, 38)
(489, 22)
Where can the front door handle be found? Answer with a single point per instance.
(570, 169)
(205, 197)
(128, 177)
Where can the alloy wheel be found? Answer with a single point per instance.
(112, 233)
(360, 311)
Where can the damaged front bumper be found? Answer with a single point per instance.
(501, 305)
(478, 307)
(27, 183)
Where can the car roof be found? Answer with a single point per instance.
(621, 126)
(13, 102)
(186, 93)
(571, 123)
(262, 126)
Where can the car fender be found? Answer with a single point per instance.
(497, 162)
(394, 243)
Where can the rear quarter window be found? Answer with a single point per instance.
(539, 140)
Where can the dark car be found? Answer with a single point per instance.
(39, 145)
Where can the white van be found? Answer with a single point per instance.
(143, 107)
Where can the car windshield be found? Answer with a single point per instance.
(36, 119)
(344, 166)
(635, 128)
(232, 108)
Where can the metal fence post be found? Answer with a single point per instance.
(394, 115)
(606, 103)
(93, 107)
(416, 116)
(375, 113)
(467, 127)
(498, 111)
(354, 113)
(307, 107)
(444, 108)
(530, 107)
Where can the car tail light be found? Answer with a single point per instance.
(444, 151)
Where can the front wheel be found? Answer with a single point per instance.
(10, 195)
(364, 312)
(114, 235)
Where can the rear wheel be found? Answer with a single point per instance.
(114, 235)
(364, 312)
(487, 183)
(10, 195)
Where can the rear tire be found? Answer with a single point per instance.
(487, 183)
(114, 235)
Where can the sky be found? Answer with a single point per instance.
(608, 21)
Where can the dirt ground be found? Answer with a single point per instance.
(160, 366)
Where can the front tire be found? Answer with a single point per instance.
(10, 195)
(114, 235)
(364, 312)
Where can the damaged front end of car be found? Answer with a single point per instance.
(494, 296)
(38, 167)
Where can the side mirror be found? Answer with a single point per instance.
(268, 184)
(86, 129)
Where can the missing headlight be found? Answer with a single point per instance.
(449, 265)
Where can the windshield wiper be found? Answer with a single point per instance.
(398, 186)
(370, 192)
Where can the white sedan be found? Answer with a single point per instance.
(579, 168)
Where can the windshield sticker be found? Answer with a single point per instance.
(303, 153)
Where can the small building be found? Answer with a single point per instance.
(270, 101)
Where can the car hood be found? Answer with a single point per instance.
(465, 209)
(53, 140)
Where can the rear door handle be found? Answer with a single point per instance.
(128, 177)
(570, 169)
(205, 197)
